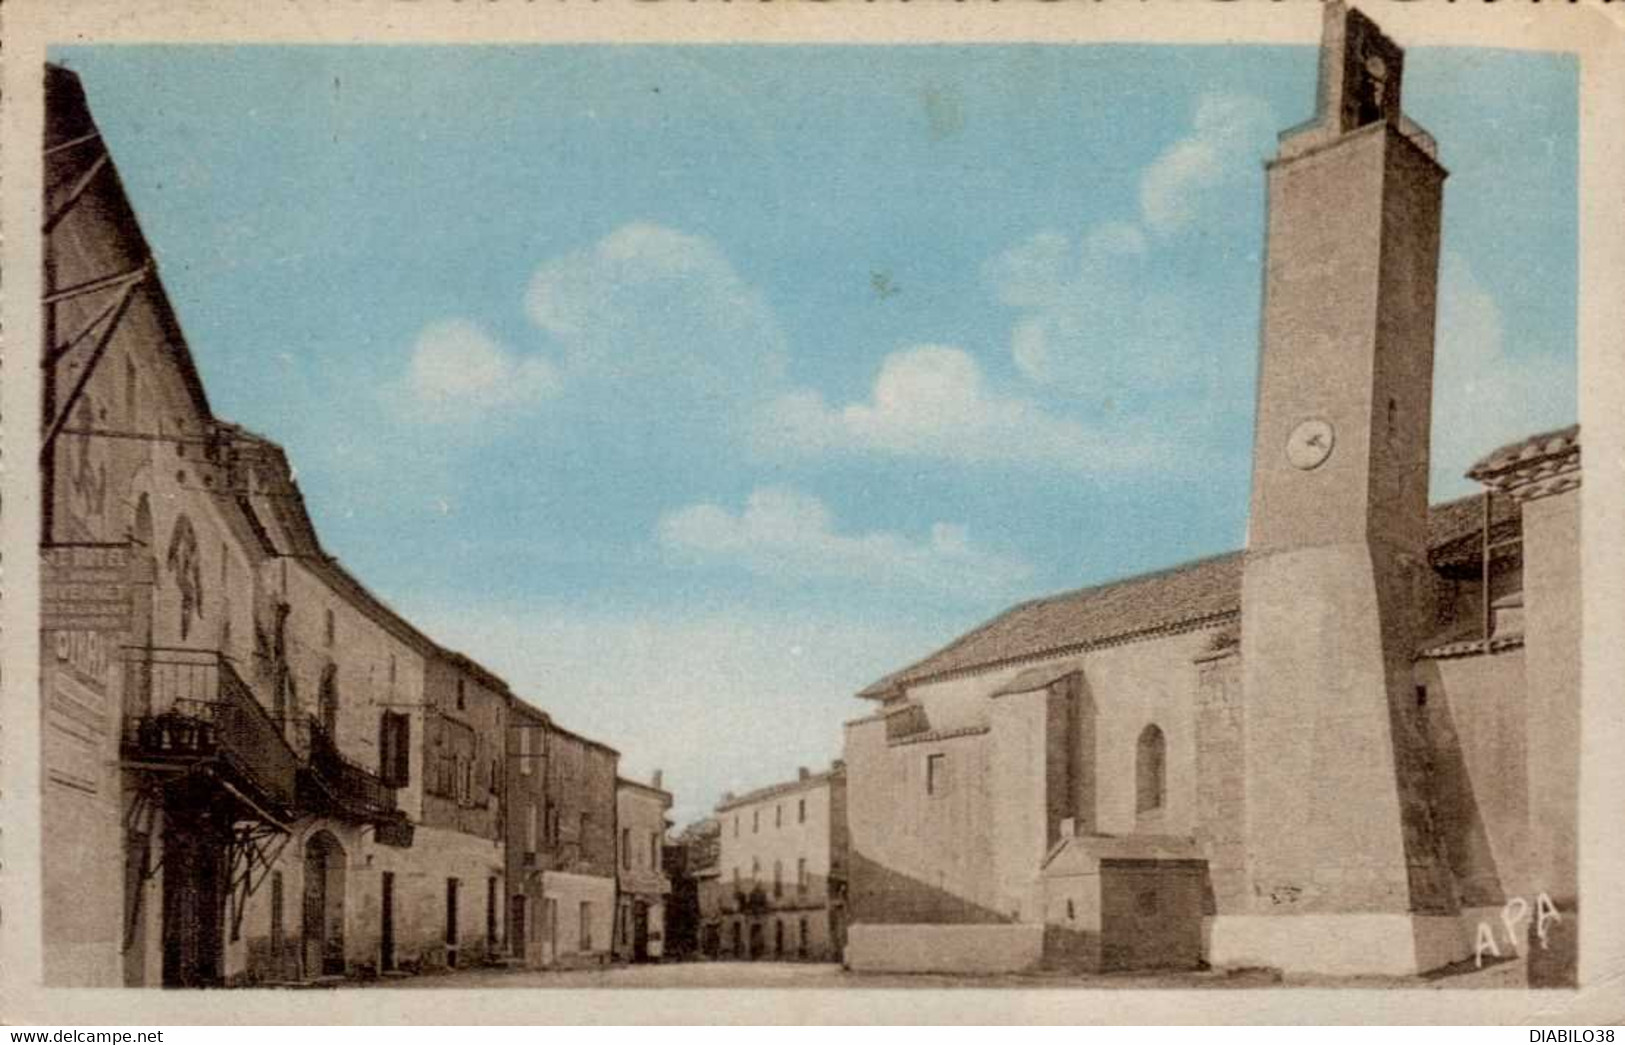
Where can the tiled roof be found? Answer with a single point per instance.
(1471, 647)
(1208, 589)
(931, 736)
(1539, 466)
(1455, 531)
(1180, 598)
(1035, 679)
(1520, 454)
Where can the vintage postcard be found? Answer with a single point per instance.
(1082, 511)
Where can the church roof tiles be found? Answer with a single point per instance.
(1172, 599)
(1181, 598)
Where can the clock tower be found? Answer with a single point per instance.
(1344, 870)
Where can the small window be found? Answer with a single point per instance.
(654, 851)
(736, 825)
(626, 849)
(1150, 770)
(801, 811)
(394, 749)
(331, 628)
(755, 821)
(524, 751)
(936, 774)
(755, 869)
(801, 874)
(1421, 696)
(778, 816)
(736, 878)
(778, 878)
(586, 925)
(462, 696)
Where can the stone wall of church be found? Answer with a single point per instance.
(1220, 779)
(1474, 708)
(921, 857)
(1552, 619)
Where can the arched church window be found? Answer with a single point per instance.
(1150, 770)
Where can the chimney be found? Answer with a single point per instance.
(655, 779)
(802, 773)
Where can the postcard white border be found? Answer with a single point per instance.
(1593, 31)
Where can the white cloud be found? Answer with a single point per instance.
(1229, 133)
(1484, 394)
(782, 532)
(458, 370)
(1092, 320)
(1096, 316)
(932, 401)
(658, 308)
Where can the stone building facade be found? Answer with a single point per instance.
(464, 798)
(1341, 750)
(561, 833)
(780, 888)
(644, 885)
(253, 769)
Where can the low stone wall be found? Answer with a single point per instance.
(944, 948)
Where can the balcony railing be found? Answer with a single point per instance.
(183, 705)
(353, 789)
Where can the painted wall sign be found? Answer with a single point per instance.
(85, 588)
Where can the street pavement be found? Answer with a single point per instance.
(787, 975)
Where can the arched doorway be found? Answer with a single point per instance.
(324, 906)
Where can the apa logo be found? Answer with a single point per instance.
(1512, 915)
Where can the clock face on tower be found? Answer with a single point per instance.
(1310, 444)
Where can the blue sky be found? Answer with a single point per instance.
(692, 388)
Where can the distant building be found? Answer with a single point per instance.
(1341, 751)
(781, 889)
(640, 922)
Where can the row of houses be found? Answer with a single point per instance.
(254, 770)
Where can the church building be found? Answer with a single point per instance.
(1349, 748)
